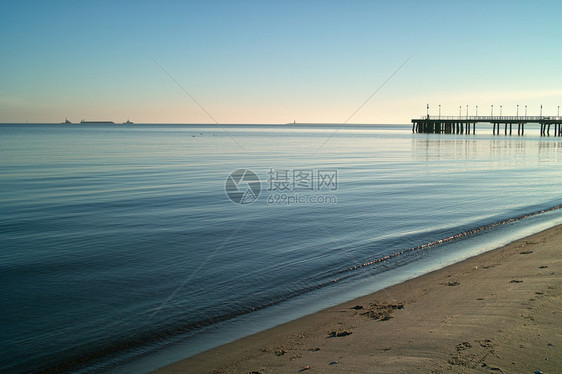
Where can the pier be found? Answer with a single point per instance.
(467, 124)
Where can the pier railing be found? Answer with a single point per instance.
(493, 118)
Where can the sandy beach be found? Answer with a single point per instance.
(498, 312)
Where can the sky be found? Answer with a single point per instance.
(276, 61)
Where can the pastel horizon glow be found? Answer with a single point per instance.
(276, 62)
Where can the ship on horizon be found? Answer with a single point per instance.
(84, 122)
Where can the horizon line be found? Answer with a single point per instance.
(207, 124)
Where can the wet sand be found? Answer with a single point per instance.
(497, 312)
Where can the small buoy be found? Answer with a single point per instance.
(334, 362)
(538, 372)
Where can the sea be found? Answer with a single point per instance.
(124, 248)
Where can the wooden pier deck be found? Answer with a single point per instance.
(463, 124)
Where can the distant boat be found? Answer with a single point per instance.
(66, 121)
(84, 122)
(128, 122)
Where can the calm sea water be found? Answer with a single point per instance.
(120, 247)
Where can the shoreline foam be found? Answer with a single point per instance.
(497, 310)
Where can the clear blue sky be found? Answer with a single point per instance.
(276, 61)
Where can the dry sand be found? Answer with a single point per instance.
(499, 312)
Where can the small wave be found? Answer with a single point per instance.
(142, 342)
(449, 239)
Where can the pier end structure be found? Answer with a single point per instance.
(467, 124)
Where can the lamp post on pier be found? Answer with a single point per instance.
(476, 110)
(525, 110)
(439, 111)
(517, 111)
(492, 114)
(500, 111)
(540, 115)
